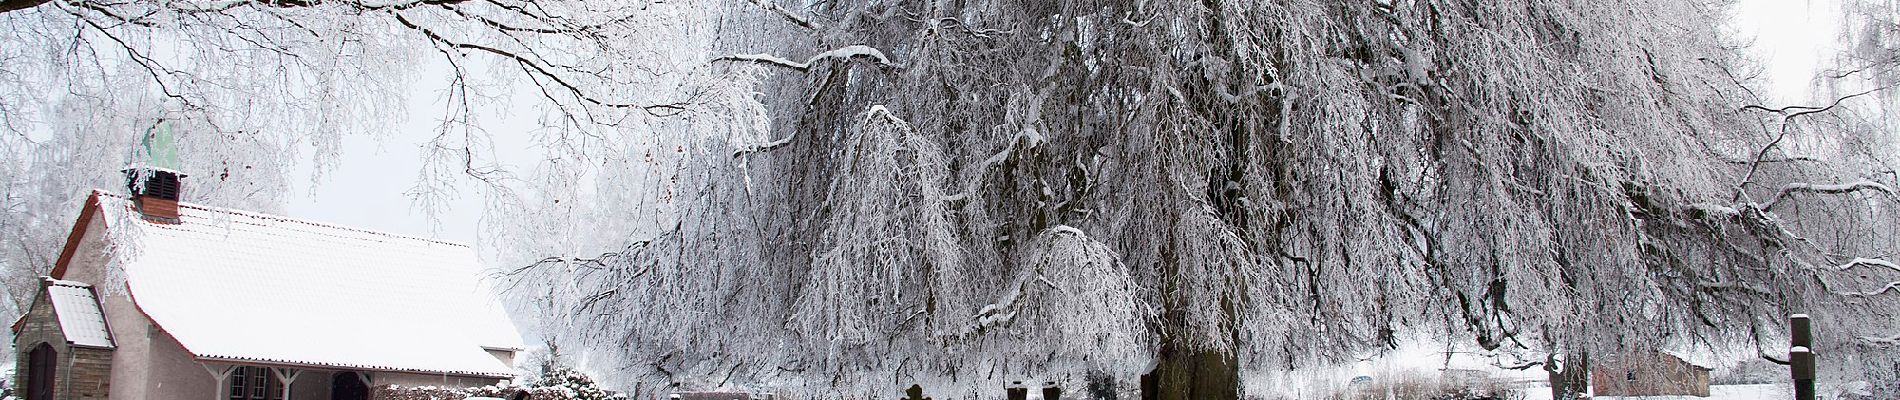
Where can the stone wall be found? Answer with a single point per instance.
(88, 374)
(82, 373)
(38, 326)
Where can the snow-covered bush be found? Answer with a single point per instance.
(572, 384)
(1418, 385)
(512, 392)
(1749, 372)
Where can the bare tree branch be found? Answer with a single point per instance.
(796, 19)
(1791, 159)
(846, 52)
(764, 147)
(536, 68)
(1889, 287)
(1868, 262)
(1791, 112)
(1788, 114)
(1800, 187)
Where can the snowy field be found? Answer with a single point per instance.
(1717, 392)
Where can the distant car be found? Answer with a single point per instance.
(1361, 380)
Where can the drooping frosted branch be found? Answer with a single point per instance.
(841, 53)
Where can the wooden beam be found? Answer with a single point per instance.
(287, 376)
(219, 374)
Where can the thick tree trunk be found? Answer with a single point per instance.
(1572, 379)
(1192, 375)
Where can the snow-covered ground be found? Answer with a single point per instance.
(1716, 392)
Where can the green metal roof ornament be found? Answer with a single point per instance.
(161, 148)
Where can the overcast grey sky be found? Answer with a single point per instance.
(1791, 38)
(367, 188)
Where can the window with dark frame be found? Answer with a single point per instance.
(255, 383)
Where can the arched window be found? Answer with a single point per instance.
(254, 383)
(42, 365)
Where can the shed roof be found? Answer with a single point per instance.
(78, 313)
(1699, 359)
(237, 286)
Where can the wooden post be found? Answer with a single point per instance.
(1016, 391)
(1801, 362)
(1801, 331)
(221, 374)
(286, 376)
(1801, 356)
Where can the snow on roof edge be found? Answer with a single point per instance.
(1693, 358)
(364, 367)
(61, 282)
(145, 166)
(253, 214)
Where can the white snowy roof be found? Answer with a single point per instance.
(1704, 359)
(79, 315)
(247, 287)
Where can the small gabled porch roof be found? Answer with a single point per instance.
(77, 311)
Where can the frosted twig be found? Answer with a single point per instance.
(1800, 187)
(846, 52)
(1715, 209)
(1045, 281)
(1027, 137)
(1889, 287)
(1868, 262)
(796, 19)
(764, 147)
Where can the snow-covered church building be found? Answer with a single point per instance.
(156, 299)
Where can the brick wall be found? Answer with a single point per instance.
(1649, 374)
(82, 373)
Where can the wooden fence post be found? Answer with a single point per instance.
(1801, 356)
(1016, 391)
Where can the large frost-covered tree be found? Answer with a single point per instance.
(1247, 186)
(842, 199)
(1264, 184)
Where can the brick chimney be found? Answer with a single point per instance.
(154, 192)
